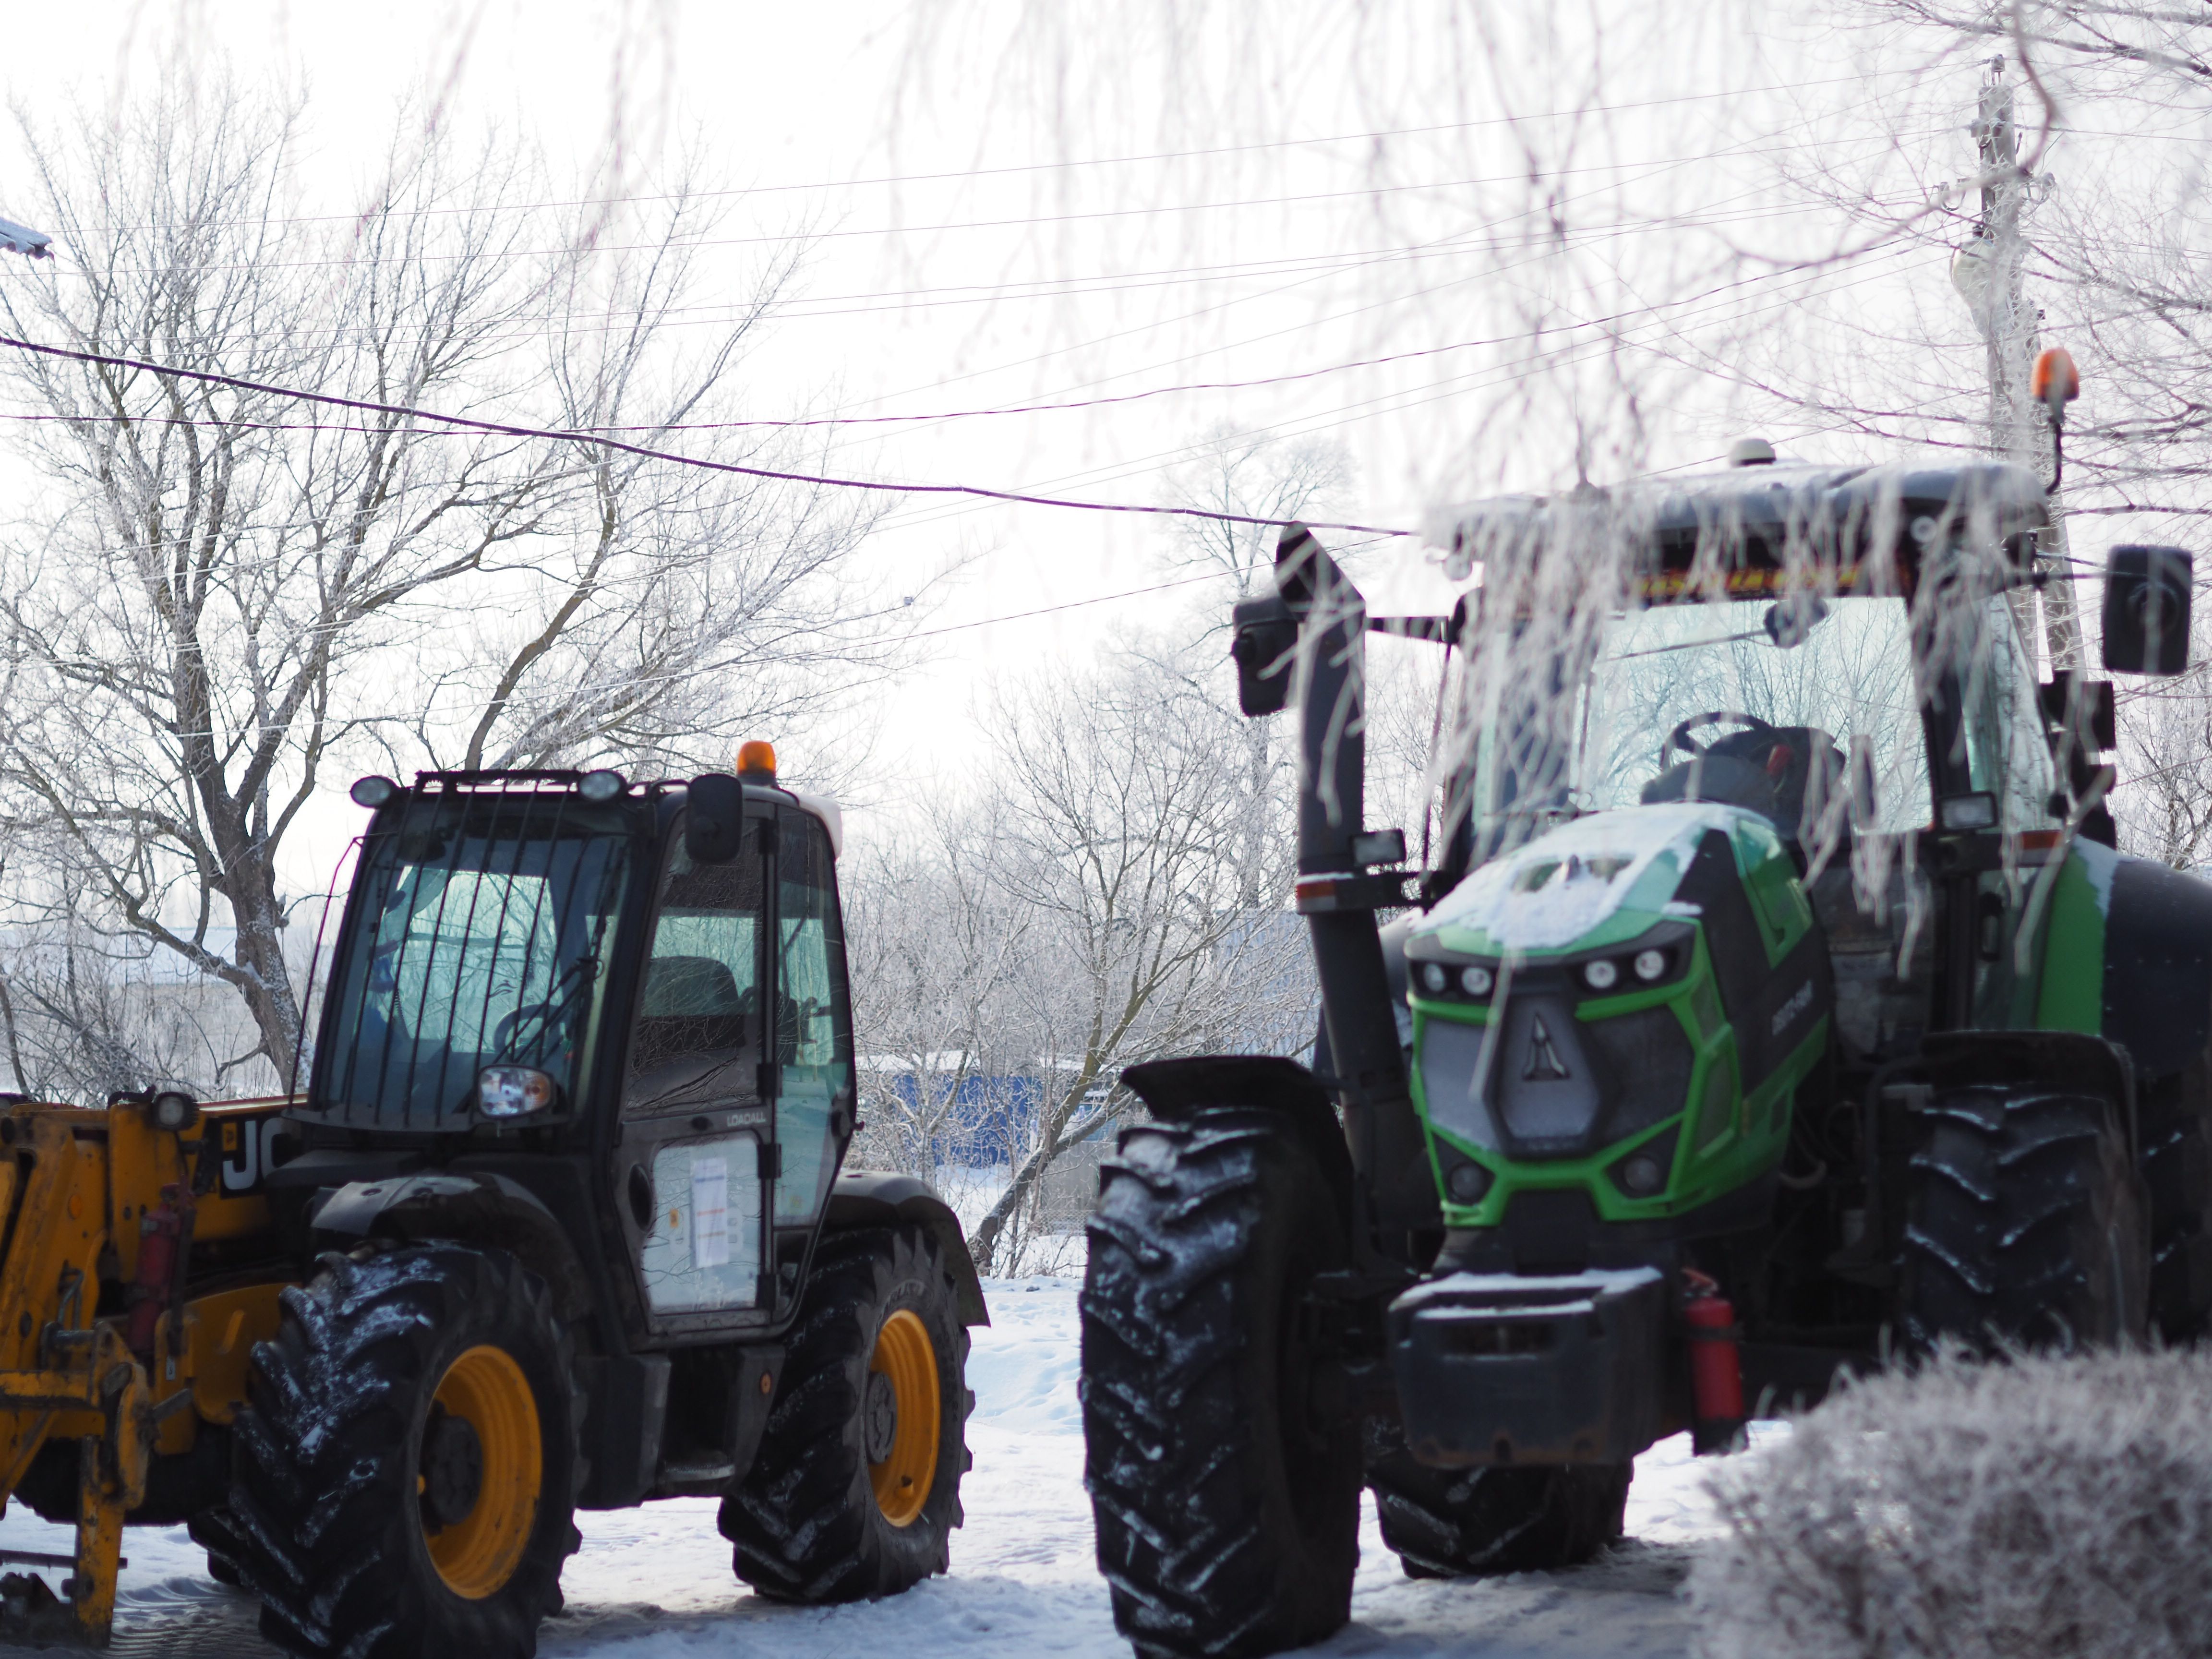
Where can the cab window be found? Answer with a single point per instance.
(697, 1039)
(813, 1018)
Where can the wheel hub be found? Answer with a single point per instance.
(452, 1470)
(879, 1417)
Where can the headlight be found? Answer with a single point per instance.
(514, 1092)
(1650, 965)
(175, 1110)
(1433, 977)
(1600, 975)
(1476, 982)
(1467, 1183)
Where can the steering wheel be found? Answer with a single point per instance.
(509, 1021)
(1679, 736)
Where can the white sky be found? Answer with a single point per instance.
(1036, 281)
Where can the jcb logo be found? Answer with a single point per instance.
(248, 1151)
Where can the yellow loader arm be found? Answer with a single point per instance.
(99, 1342)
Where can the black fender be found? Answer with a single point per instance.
(877, 1198)
(2158, 966)
(1175, 1090)
(475, 1209)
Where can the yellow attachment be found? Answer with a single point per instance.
(905, 1354)
(756, 760)
(476, 1554)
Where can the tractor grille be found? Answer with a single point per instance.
(1550, 1086)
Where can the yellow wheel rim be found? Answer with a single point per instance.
(477, 1554)
(905, 1355)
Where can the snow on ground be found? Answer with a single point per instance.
(655, 1582)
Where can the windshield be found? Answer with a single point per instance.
(479, 935)
(1700, 700)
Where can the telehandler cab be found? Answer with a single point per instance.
(558, 1222)
(1778, 1002)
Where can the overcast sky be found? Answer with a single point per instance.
(1013, 204)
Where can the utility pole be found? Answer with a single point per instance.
(1991, 274)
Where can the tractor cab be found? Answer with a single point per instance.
(651, 980)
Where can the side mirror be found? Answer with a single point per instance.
(1267, 635)
(2146, 593)
(713, 818)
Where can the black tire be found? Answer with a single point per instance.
(213, 1532)
(805, 1522)
(1222, 1436)
(331, 1452)
(2175, 1123)
(1452, 1523)
(2025, 1223)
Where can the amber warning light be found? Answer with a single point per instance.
(2056, 382)
(756, 761)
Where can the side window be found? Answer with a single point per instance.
(696, 1039)
(2006, 752)
(813, 1016)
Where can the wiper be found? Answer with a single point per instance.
(572, 982)
(1689, 644)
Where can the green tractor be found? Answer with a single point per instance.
(1778, 1003)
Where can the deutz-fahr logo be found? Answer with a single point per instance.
(1543, 1065)
(1800, 1000)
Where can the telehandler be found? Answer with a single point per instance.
(1778, 1005)
(558, 1222)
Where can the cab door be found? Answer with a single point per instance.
(813, 1073)
(2000, 749)
(694, 1161)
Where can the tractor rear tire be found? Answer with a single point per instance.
(407, 1467)
(1454, 1523)
(1221, 1431)
(2174, 1119)
(2026, 1224)
(855, 1490)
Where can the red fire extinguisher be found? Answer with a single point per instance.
(1716, 1367)
(163, 1232)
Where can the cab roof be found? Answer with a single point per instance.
(1758, 520)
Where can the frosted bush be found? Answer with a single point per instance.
(2058, 1507)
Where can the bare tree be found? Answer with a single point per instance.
(223, 594)
(936, 956)
(1117, 833)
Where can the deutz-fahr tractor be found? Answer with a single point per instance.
(1778, 1006)
(557, 1223)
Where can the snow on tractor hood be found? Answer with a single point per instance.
(1599, 880)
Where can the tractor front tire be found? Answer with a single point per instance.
(1452, 1523)
(2026, 1224)
(1221, 1432)
(407, 1467)
(855, 1490)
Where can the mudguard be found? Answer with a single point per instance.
(1172, 1090)
(482, 1209)
(2158, 965)
(872, 1198)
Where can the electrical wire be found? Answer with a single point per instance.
(500, 428)
(1085, 161)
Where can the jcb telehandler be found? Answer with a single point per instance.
(558, 1222)
(1778, 1003)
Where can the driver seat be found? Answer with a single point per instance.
(1767, 771)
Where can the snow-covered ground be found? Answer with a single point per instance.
(655, 1582)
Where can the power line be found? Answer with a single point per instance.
(1286, 379)
(1085, 162)
(500, 428)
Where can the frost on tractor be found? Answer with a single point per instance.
(1770, 999)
